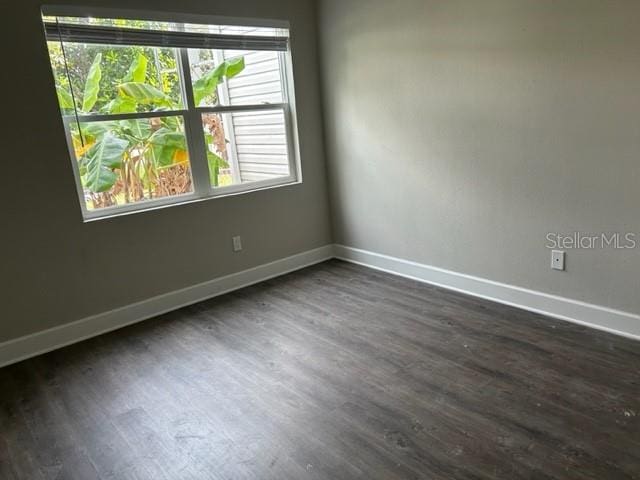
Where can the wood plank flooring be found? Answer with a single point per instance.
(332, 372)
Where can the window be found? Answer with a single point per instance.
(158, 112)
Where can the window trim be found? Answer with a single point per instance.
(192, 116)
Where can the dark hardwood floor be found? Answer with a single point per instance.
(332, 372)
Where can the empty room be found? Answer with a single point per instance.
(320, 239)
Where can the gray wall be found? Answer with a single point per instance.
(460, 132)
(56, 269)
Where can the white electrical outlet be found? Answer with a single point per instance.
(557, 259)
(237, 243)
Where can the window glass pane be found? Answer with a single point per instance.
(63, 90)
(236, 77)
(128, 161)
(115, 79)
(245, 147)
(112, 22)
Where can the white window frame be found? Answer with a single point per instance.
(192, 115)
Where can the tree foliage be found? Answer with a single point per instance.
(124, 161)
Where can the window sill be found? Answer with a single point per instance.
(151, 205)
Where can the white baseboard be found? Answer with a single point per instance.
(40, 342)
(595, 316)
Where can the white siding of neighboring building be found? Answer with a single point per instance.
(260, 137)
(261, 145)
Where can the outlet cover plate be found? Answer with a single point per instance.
(557, 259)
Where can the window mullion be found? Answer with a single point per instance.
(98, 117)
(250, 107)
(194, 131)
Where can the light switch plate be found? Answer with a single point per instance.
(237, 243)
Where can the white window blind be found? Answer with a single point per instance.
(112, 35)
